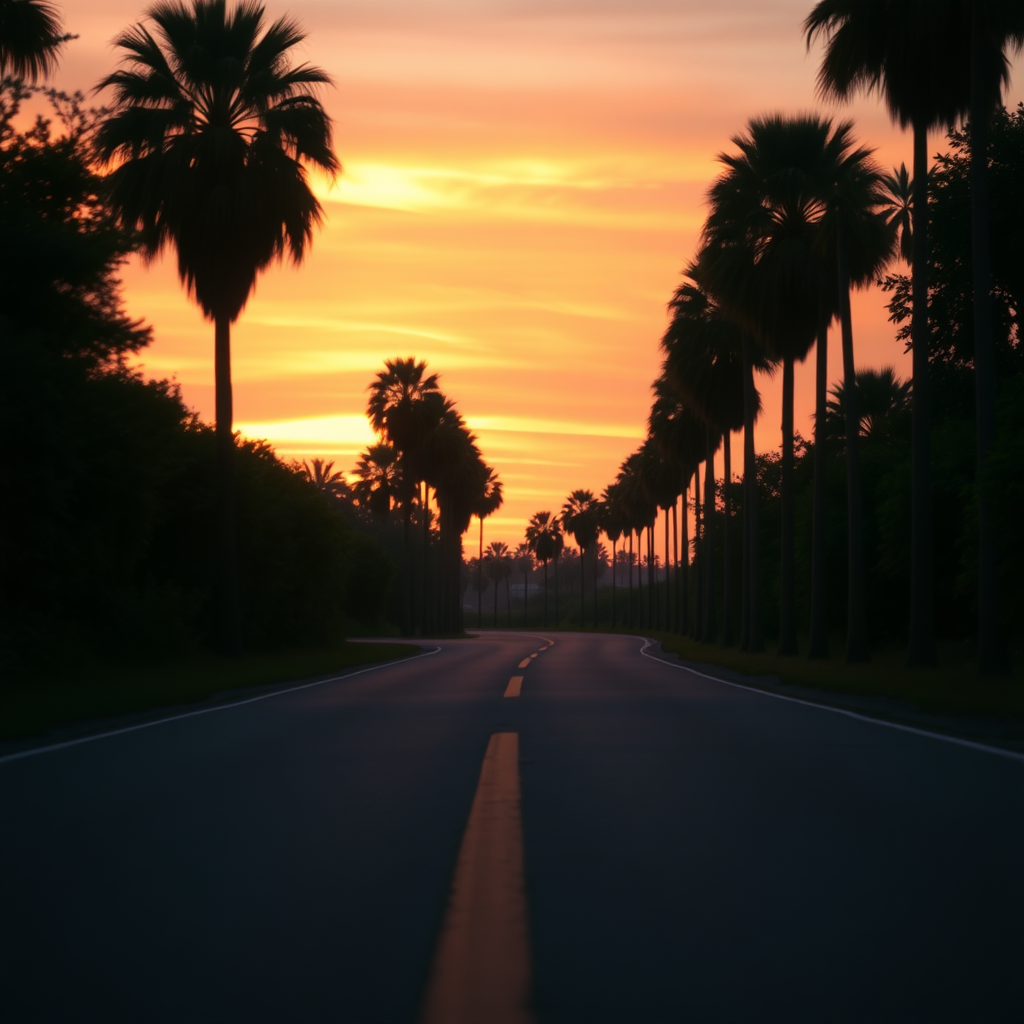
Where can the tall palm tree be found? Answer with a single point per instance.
(30, 38)
(489, 502)
(704, 363)
(614, 525)
(498, 560)
(523, 561)
(378, 472)
(762, 260)
(541, 534)
(324, 477)
(581, 517)
(406, 406)
(917, 54)
(210, 132)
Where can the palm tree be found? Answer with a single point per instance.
(614, 525)
(490, 501)
(405, 406)
(762, 260)
(543, 535)
(498, 560)
(704, 363)
(523, 561)
(918, 55)
(681, 438)
(379, 474)
(881, 398)
(581, 517)
(30, 38)
(325, 478)
(210, 132)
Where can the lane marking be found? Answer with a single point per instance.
(515, 685)
(481, 970)
(956, 740)
(206, 711)
(525, 662)
(532, 656)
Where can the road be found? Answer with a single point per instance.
(693, 851)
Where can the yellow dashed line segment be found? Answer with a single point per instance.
(515, 684)
(525, 662)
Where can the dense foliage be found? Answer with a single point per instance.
(109, 480)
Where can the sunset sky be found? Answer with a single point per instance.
(523, 182)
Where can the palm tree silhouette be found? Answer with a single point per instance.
(498, 560)
(762, 259)
(581, 518)
(681, 438)
(704, 363)
(210, 131)
(405, 406)
(543, 535)
(933, 61)
(613, 522)
(489, 502)
(882, 397)
(323, 476)
(30, 38)
(379, 473)
(523, 561)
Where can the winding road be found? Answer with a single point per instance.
(672, 848)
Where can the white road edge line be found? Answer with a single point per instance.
(205, 711)
(1011, 754)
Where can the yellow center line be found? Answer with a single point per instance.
(525, 662)
(481, 968)
(533, 655)
(515, 684)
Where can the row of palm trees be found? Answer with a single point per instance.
(799, 216)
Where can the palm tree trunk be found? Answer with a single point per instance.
(668, 562)
(557, 616)
(674, 623)
(787, 596)
(857, 649)
(684, 583)
(629, 605)
(425, 584)
(230, 640)
(698, 557)
(921, 646)
(480, 579)
(406, 548)
(583, 591)
(495, 581)
(545, 593)
(593, 581)
(991, 649)
(818, 644)
(728, 612)
(755, 640)
(614, 567)
(709, 630)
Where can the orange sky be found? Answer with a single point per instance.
(523, 184)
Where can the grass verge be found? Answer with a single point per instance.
(952, 688)
(68, 694)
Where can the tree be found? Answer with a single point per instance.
(406, 406)
(762, 260)
(581, 517)
(489, 502)
(379, 475)
(543, 535)
(498, 560)
(30, 38)
(324, 477)
(210, 133)
(522, 559)
(917, 55)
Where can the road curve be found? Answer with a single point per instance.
(693, 851)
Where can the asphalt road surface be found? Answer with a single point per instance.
(694, 851)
